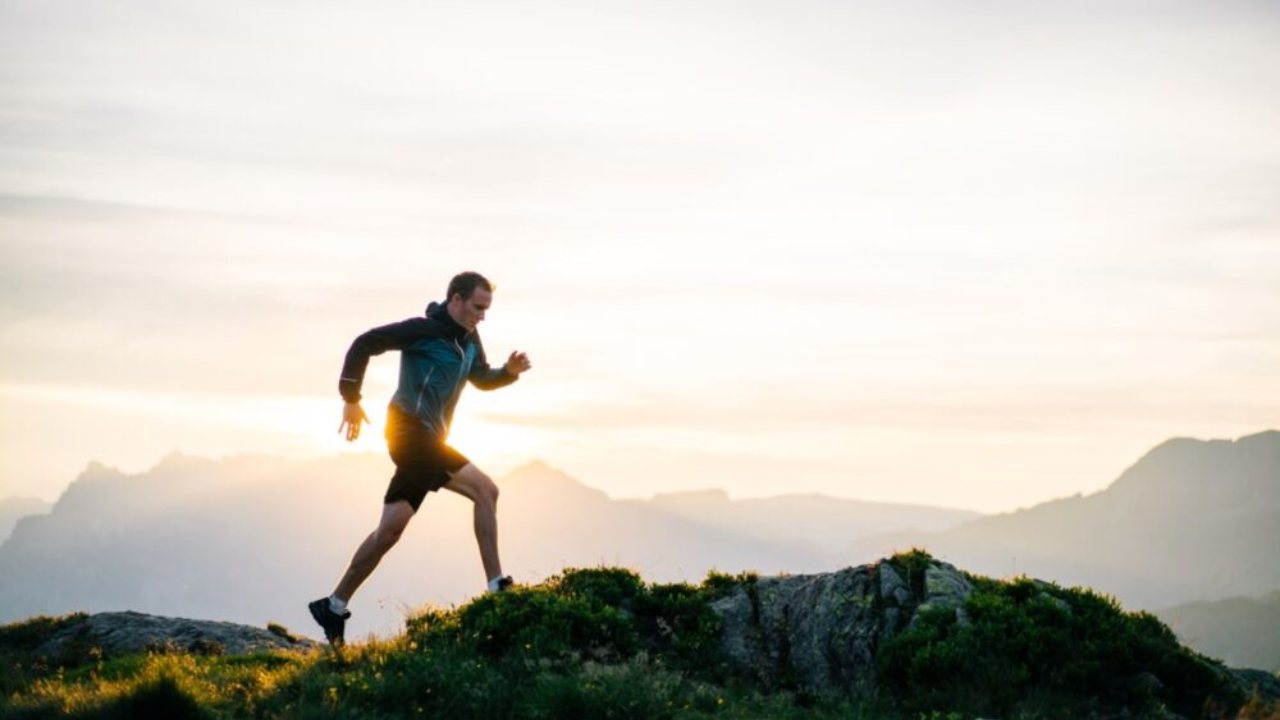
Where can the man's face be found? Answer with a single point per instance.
(468, 313)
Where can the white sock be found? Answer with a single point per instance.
(337, 604)
(493, 583)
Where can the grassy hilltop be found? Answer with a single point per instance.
(601, 643)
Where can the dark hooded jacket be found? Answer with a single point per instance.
(437, 357)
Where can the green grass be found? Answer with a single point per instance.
(601, 643)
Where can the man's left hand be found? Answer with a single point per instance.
(518, 363)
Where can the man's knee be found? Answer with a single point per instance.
(395, 519)
(475, 484)
(486, 490)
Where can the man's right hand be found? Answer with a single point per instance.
(352, 416)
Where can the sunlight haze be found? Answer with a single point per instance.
(968, 255)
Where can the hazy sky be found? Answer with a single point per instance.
(972, 254)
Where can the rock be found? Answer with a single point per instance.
(892, 588)
(1265, 685)
(117, 633)
(1144, 683)
(822, 631)
(739, 615)
(944, 587)
(833, 625)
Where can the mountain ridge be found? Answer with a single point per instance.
(1211, 504)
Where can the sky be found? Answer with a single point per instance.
(978, 255)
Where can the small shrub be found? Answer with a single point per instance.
(19, 665)
(541, 623)
(597, 614)
(718, 585)
(32, 632)
(609, 586)
(912, 565)
(678, 625)
(281, 631)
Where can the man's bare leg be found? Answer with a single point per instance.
(473, 484)
(395, 517)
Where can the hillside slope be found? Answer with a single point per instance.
(903, 638)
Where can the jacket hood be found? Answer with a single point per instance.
(438, 311)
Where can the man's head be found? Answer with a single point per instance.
(469, 296)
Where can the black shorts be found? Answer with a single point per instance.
(423, 461)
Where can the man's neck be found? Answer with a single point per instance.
(448, 310)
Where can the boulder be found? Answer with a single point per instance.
(822, 631)
(118, 633)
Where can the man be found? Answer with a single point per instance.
(439, 353)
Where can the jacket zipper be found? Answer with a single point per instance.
(418, 406)
(462, 379)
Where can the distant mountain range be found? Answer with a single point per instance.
(827, 523)
(252, 539)
(1191, 520)
(1242, 632)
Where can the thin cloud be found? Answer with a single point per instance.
(799, 226)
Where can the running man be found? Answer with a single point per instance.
(438, 354)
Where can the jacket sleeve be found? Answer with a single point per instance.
(375, 342)
(485, 377)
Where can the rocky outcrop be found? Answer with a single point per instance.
(118, 633)
(822, 631)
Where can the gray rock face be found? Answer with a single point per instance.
(822, 631)
(130, 632)
(945, 588)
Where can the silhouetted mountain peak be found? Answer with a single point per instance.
(87, 486)
(534, 467)
(14, 509)
(1266, 437)
(539, 475)
(96, 471)
(1204, 473)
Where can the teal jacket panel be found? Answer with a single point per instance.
(437, 358)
